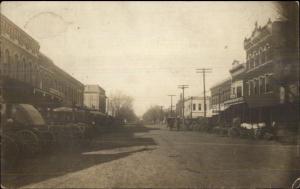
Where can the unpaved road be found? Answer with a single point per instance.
(153, 157)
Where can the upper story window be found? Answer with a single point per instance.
(251, 63)
(194, 106)
(263, 57)
(233, 90)
(247, 64)
(199, 107)
(256, 60)
(268, 52)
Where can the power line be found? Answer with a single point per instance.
(204, 71)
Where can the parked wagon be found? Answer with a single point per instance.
(23, 131)
(70, 126)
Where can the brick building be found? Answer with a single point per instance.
(220, 93)
(28, 76)
(271, 77)
(236, 104)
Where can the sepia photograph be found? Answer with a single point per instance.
(149, 94)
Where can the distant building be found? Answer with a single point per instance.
(220, 93)
(236, 103)
(194, 107)
(95, 98)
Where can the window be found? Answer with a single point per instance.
(25, 70)
(262, 85)
(238, 91)
(194, 106)
(263, 57)
(247, 64)
(268, 83)
(7, 57)
(247, 88)
(251, 63)
(233, 90)
(199, 107)
(256, 85)
(268, 52)
(256, 60)
(251, 88)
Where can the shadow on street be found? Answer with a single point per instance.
(61, 162)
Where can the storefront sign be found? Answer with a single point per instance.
(234, 101)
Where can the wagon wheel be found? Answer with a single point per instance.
(9, 152)
(29, 142)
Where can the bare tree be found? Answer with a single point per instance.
(121, 105)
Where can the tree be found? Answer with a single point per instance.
(154, 114)
(121, 106)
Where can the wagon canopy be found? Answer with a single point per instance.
(27, 114)
(63, 109)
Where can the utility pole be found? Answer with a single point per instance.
(204, 71)
(183, 87)
(107, 105)
(171, 104)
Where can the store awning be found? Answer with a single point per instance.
(261, 101)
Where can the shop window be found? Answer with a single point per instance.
(256, 86)
(7, 57)
(268, 83)
(251, 88)
(262, 85)
(247, 88)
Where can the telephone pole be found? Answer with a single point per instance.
(171, 104)
(204, 71)
(183, 87)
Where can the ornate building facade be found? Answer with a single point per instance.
(28, 76)
(270, 78)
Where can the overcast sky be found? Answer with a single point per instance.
(144, 49)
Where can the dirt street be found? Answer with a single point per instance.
(155, 157)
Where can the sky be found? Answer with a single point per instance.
(144, 49)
